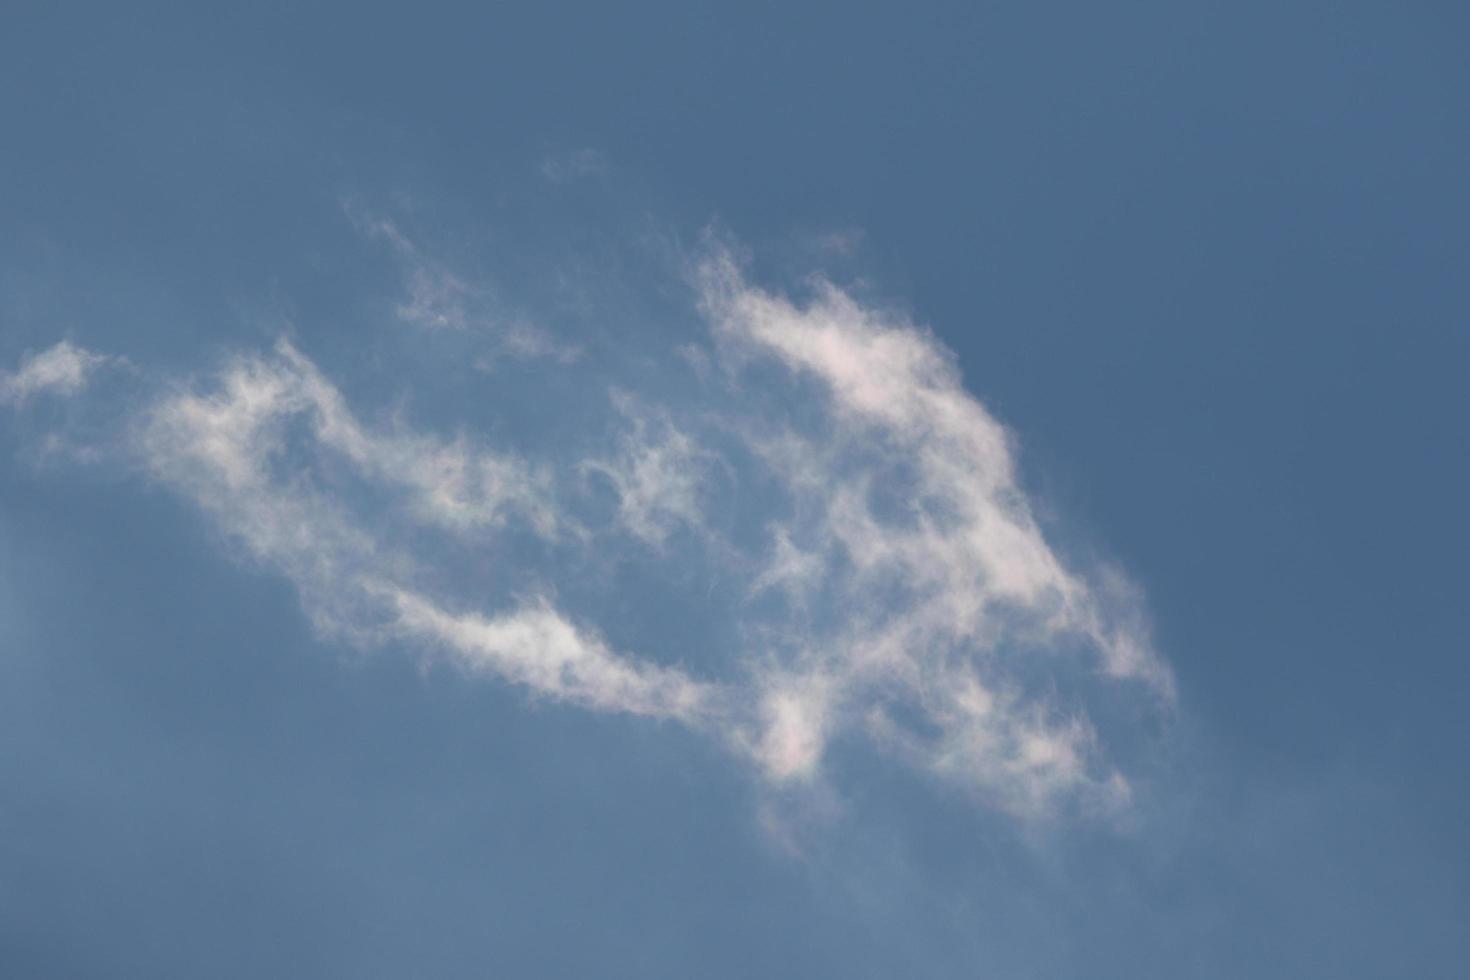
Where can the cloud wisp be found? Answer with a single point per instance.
(63, 369)
(439, 298)
(228, 448)
(562, 168)
(942, 594)
(887, 581)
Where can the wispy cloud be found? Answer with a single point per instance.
(538, 647)
(888, 581)
(561, 168)
(225, 446)
(656, 472)
(63, 369)
(906, 513)
(436, 297)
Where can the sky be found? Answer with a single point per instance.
(749, 490)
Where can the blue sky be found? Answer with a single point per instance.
(963, 490)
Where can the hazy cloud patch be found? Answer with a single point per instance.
(63, 369)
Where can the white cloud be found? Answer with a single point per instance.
(794, 722)
(789, 568)
(226, 449)
(944, 591)
(234, 434)
(891, 583)
(538, 647)
(63, 369)
(450, 482)
(657, 473)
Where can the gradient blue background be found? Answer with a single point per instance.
(1207, 260)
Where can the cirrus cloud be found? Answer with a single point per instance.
(887, 581)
